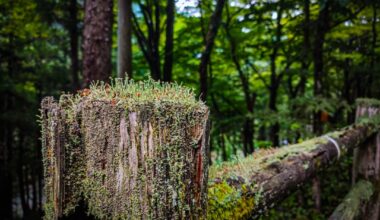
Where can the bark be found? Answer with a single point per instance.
(316, 193)
(148, 162)
(168, 65)
(249, 97)
(150, 44)
(373, 51)
(366, 161)
(353, 205)
(222, 145)
(6, 144)
(275, 78)
(267, 180)
(305, 49)
(124, 40)
(74, 35)
(97, 41)
(372, 211)
(321, 30)
(206, 54)
(20, 177)
(5, 170)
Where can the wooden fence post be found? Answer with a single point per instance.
(366, 160)
(132, 151)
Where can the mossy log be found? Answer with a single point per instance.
(130, 151)
(247, 188)
(355, 203)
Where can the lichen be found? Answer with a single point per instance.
(227, 202)
(266, 165)
(143, 151)
(351, 206)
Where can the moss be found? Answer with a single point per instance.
(227, 202)
(137, 152)
(351, 206)
(253, 168)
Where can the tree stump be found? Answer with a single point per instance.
(130, 150)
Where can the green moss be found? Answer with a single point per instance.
(110, 163)
(130, 94)
(227, 194)
(227, 202)
(351, 206)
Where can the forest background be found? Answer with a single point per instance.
(272, 72)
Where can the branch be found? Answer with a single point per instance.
(259, 74)
(351, 16)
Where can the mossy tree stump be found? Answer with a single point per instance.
(130, 150)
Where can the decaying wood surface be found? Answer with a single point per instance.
(354, 204)
(362, 202)
(149, 162)
(366, 162)
(269, 180)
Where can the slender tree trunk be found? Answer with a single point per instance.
(274, 79)
(74, 35)
(6, 144)
(124, 40)
(321, 30)
(34, 188)
(306, 48)
(316, 193)
(206, 54)
(20, 177)
(248, 129)
(275, 128)
(97, 40)
(150, 44)
(5, 172)
(373, 52)
(222, 145)
(168, 65)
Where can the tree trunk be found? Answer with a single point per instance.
(74, 35)
(316, 193)
(275, 128)
(206, 54)
(5, 170)
(168, 65)
(124, 40)
(373, 51)
(305, 49)
(6, 144)
(97, 41)
(150, 44)
(274, 78)
(321, 30)
(20, 177)
(250, 98)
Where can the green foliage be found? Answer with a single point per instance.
(35, 62)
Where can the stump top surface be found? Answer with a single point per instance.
(131, 94)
